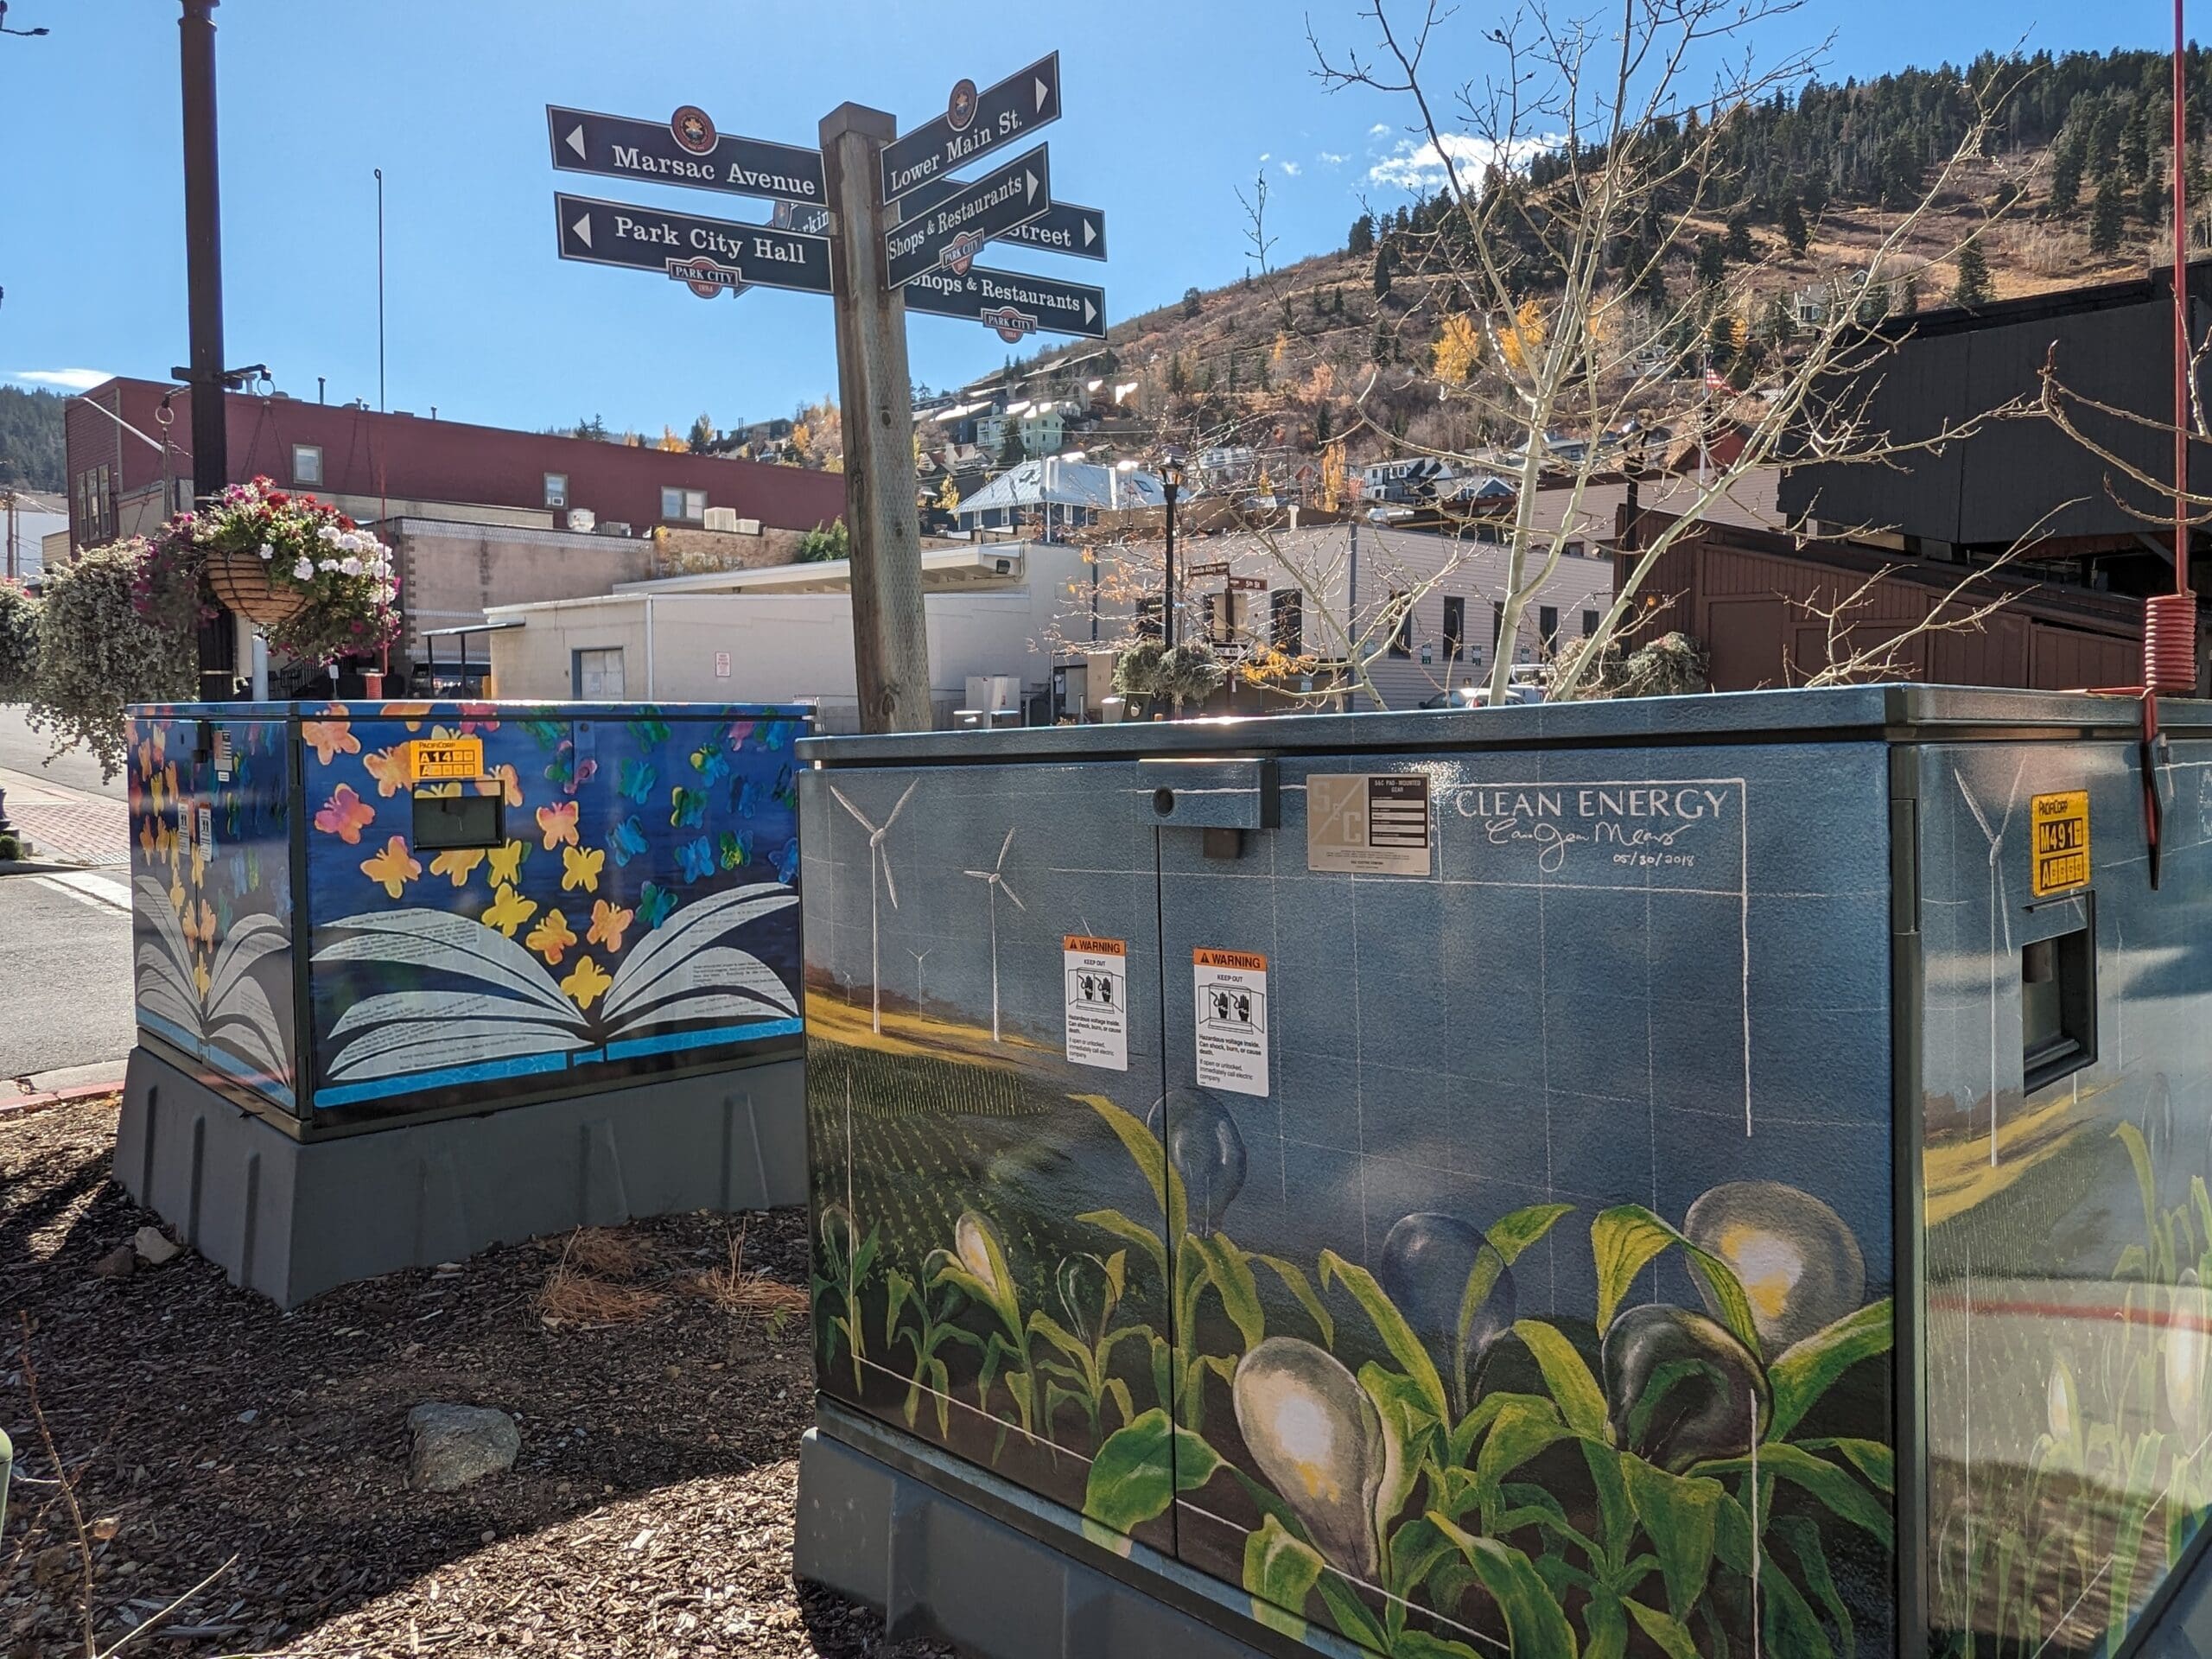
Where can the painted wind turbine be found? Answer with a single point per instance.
(878, 864)
(919, 956)
(995, 880)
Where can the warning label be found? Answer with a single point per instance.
(1232, 1020)
(454, 757)
(2061, 823)
(1368, 823)
(1098, 1001)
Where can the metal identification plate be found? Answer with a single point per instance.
(1368, 823)
(446, 757)
(2061, 823)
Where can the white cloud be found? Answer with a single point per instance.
(63, 379)
(1378, 130)
(1266, 156)
(67, 379)
(1330, 158)
(1290, 169)
(1421, 166)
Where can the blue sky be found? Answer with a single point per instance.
(1171, 105)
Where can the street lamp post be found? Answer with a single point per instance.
(1171, 483)
(27, 34)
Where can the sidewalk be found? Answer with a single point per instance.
(66, 824)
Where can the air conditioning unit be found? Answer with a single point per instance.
(721, 518)
(582, 518)
(748, 526)
(615, 527)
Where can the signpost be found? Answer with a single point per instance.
(876, 219)
(974, 124)
(1061, 228)
(714, 252)
(1013, 302)
(954, 232)
(684, 150)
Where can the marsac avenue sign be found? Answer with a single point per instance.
(1012, 302)
(707, 253)
(684, 149)
(974, 124)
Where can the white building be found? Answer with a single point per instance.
(27, 519)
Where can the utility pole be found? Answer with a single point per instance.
(203, 256)
(891, 658)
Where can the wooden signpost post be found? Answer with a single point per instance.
(874, 217)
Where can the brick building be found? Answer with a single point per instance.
(477, 515)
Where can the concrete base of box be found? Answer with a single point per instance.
(293, 1218)
(948, 1552)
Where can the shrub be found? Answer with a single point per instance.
(18, 642)
(97, 654)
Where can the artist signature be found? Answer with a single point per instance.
(1550, 840)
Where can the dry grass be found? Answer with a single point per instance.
(2047, 251)
(575, 1293)
(734, 1290)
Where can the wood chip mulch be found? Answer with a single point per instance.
(648, 1513)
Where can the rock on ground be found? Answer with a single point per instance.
(457, 1446)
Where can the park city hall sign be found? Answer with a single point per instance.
(936, 225)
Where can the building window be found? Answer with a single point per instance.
(597, 675)
(306, 463)
(1224, 617)
(1401, 640)
(1486, 533)
(1574, 550)
(1548, 628)
(1455, 627)
(1496, 622)
(1589, 623)
(686, 506)
(1286, 607)
(557, 489)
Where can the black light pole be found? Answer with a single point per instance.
(203, 260)
(27, 34)
(1170, 481)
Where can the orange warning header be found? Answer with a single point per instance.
(1248, 961)
(1094, 947)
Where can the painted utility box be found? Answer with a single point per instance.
(1714, 1176)
(471, 945)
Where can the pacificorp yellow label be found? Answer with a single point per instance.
(2061, 826)
(446, 757)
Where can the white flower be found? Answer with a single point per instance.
(325, 564)
(327, 535)
(304, 570)
(267, 551)
(350, 566)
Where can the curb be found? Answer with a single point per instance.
(24, 1105)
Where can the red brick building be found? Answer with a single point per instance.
(379, 466)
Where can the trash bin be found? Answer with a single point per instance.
(1691, 1176)
(413, 978)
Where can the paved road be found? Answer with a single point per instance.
(24, 751)
(66, 942)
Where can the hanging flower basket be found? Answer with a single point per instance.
(320, 586)
(241, 582)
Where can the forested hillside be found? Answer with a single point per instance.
(30, 439)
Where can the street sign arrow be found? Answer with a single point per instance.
(974, 124)
(1011, 302)
(705, 252)
(684, 150)
(953, 232)
(1061, 228)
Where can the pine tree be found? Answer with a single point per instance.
(1909, 294)
(1383, 266)
(1178, 383)
(1012, 452)
(702, 434)
(2150, 199)
(1973, 288)
(1192, 303)
(1321, 427)
(1793, 229)
(1736, 243)
(1361, 242)
(1382, 352)
(2108, 216)
(2065, 180)
(1712, 260)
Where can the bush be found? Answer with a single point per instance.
(824, 543)
(18, 642)
(1672, 665)
(1188, 673)
(97, 655)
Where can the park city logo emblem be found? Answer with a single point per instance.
(707, 278)
(961, 251)
(1011, 324)
(694, 129)
(960, 108)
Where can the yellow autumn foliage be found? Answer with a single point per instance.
(1459, 349)
(1521, 338)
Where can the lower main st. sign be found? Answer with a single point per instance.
(1013, 303)
(707, 253)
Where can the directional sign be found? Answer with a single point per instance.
(1011, 302)
(815, 221)
(684, 149)
(973, 124)
(954, 232)
(716, 252)
(1062, 228)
